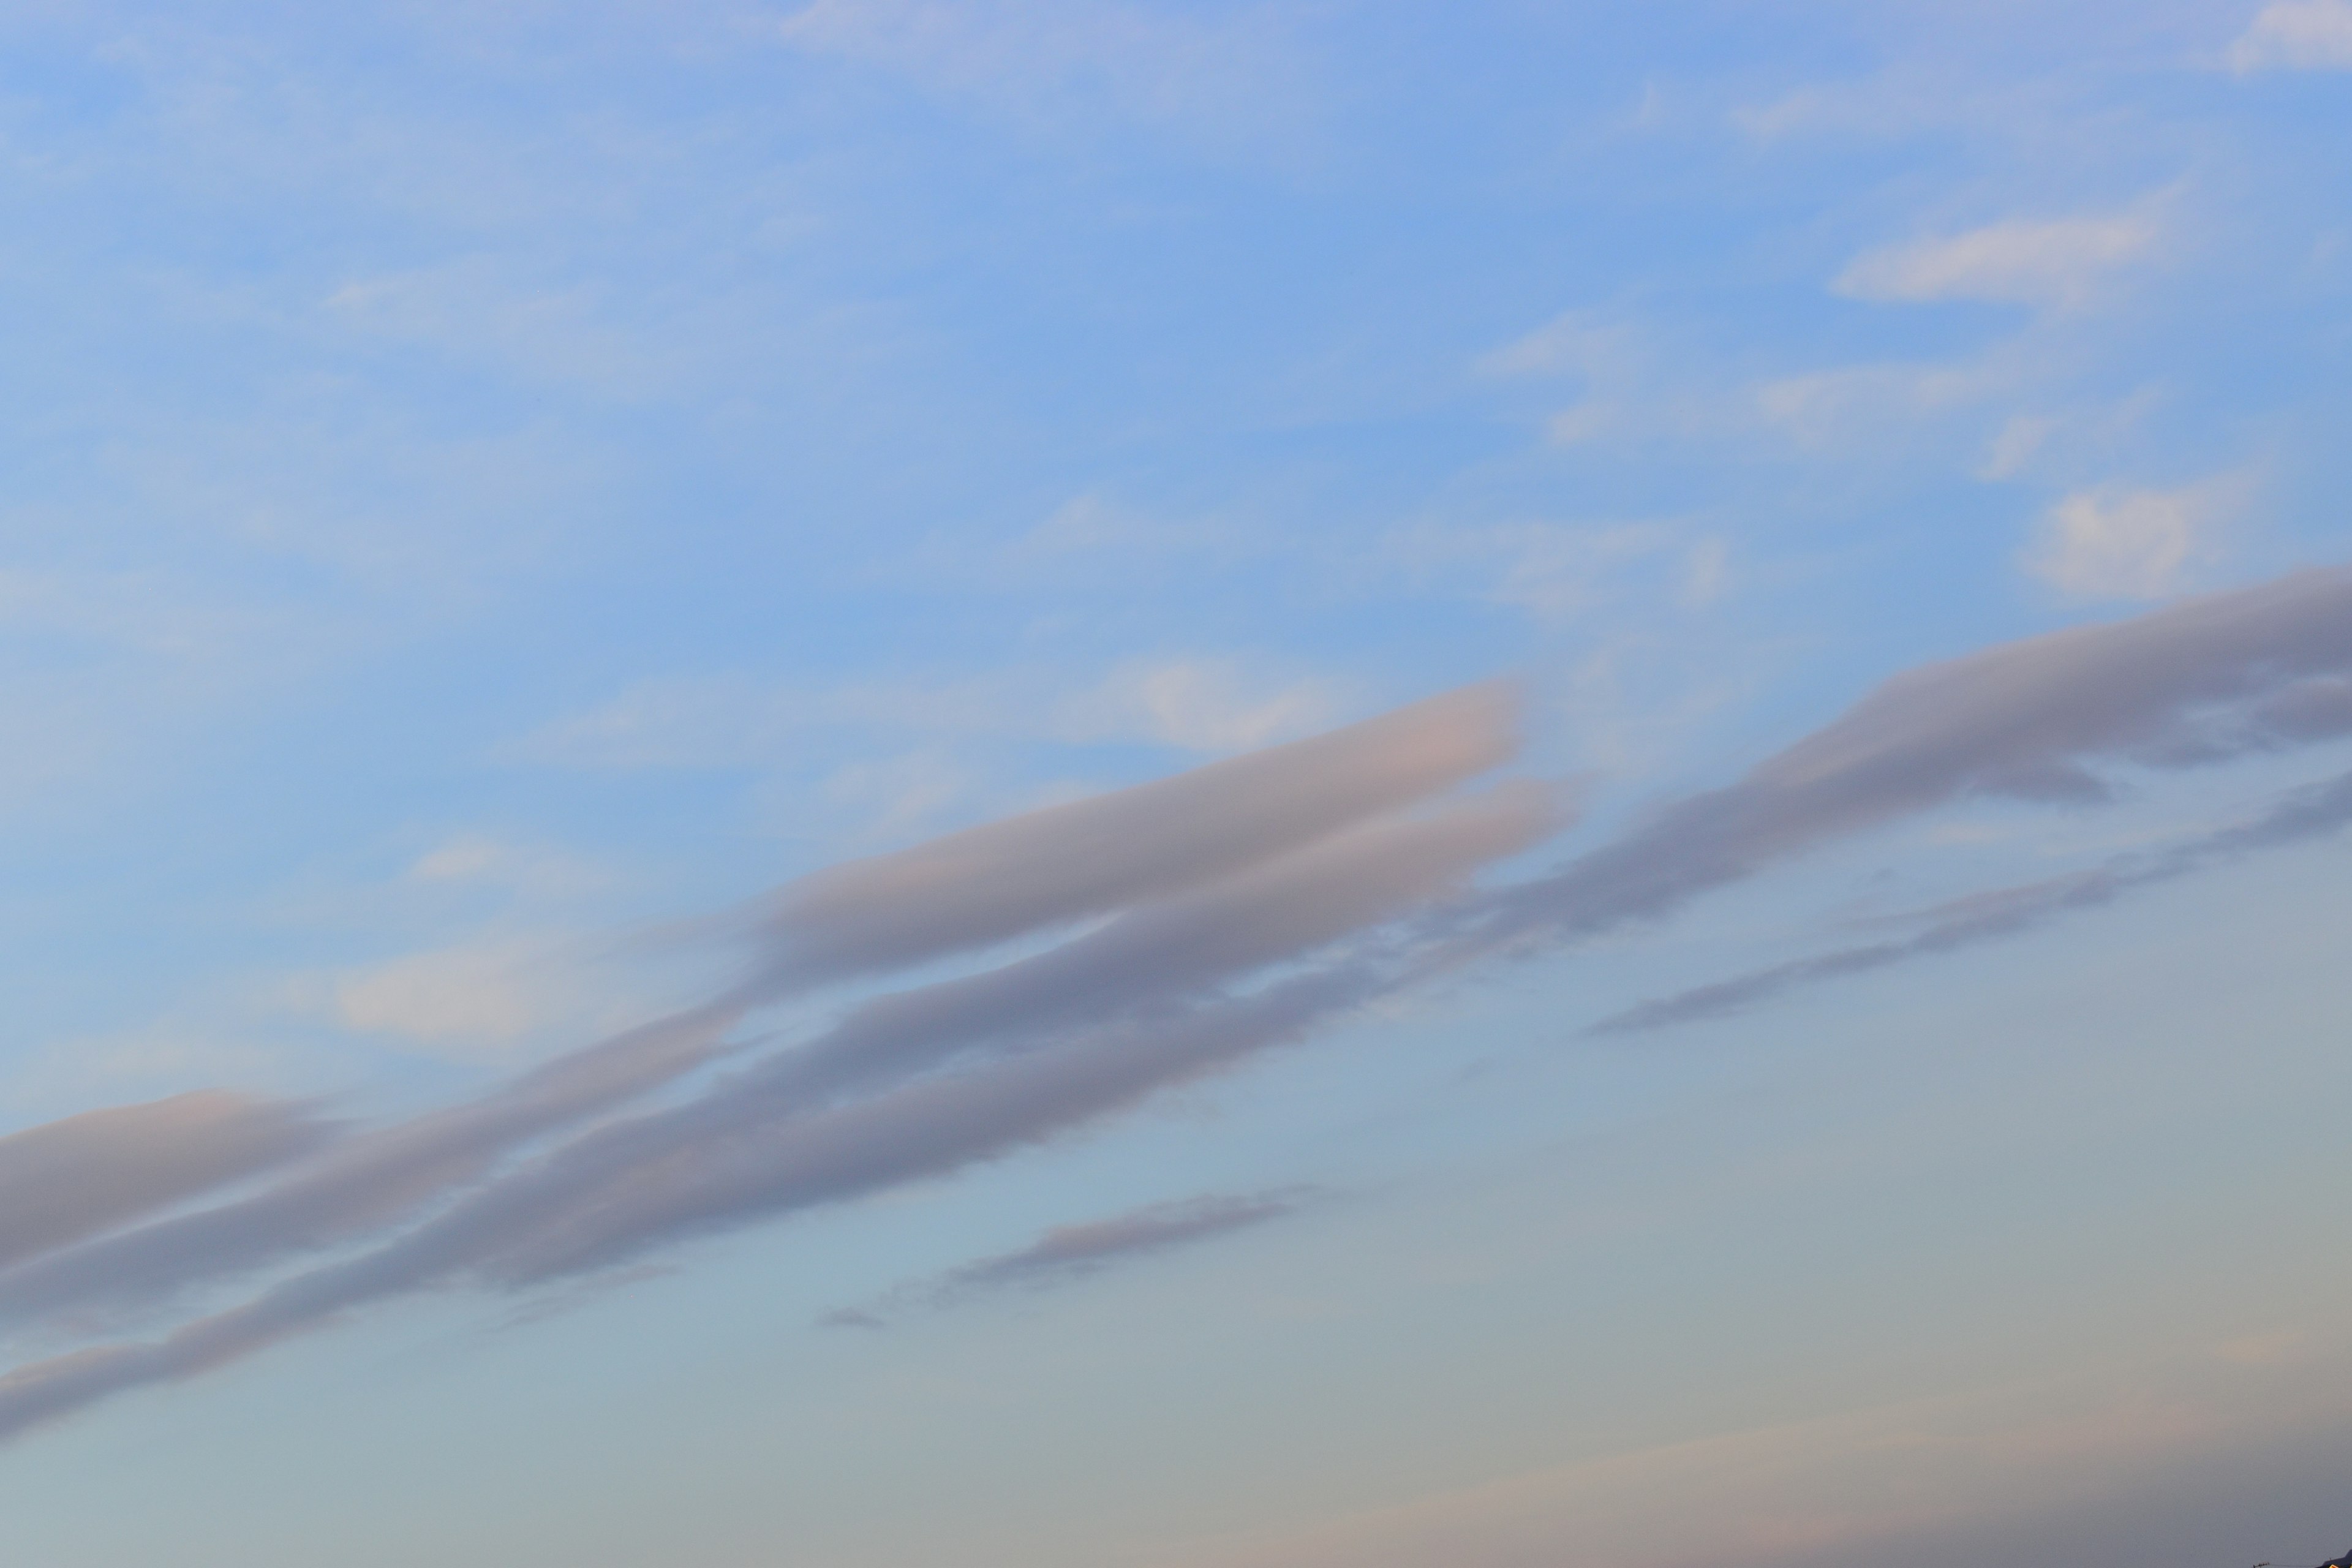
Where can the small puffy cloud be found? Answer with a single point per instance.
(2112, 542)
(2059, 261)
(2296, 35)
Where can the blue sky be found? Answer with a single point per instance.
(1315, 782)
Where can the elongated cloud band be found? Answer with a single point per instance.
(1236, 908)
(1069, 1251)
(2304, 814)
(89, 1174)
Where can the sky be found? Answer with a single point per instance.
(1264, 784)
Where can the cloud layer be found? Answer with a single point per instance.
(1199, 921)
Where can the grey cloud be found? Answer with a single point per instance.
(2298, 817)
(1081, 1032)
(73, 1179)
(1247, 868)
(1290, 906)
(989, 884)
(928, 1128)
(363, 1183)
(622, 1188)
(1068, 1252)
(2196, 682)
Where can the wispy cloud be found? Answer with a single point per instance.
(2055, 261)
(2296, 35)
(1201, 703)
(2025, 720)
(1071, 1252)
(2314, 812)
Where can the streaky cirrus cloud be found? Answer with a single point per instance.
(87, 1174)
(1070, 1252)
(2199, 681)
(2020, 261)
(2313, 811)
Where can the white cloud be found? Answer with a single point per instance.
(480, 1001)
(2119, 544)
(2059, 261)
(2296, 35)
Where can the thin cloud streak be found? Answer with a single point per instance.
(2198, 682)
(1074, 1251)
(2298, 817)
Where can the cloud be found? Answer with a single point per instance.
(1242, 907)
(2183, 685)
(1081, 1032)
(923, 1130)
(1073, 1251)
(1830, 408)
(482, 1000)
(992, 883)
(474, 860)
(72, 1179)
(2118, 543)
(2059, 261)
(1581, 343)
(362, 1184)
(1039, 1044)
(2296, 35)
(2301, 815)
(1198, 706)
